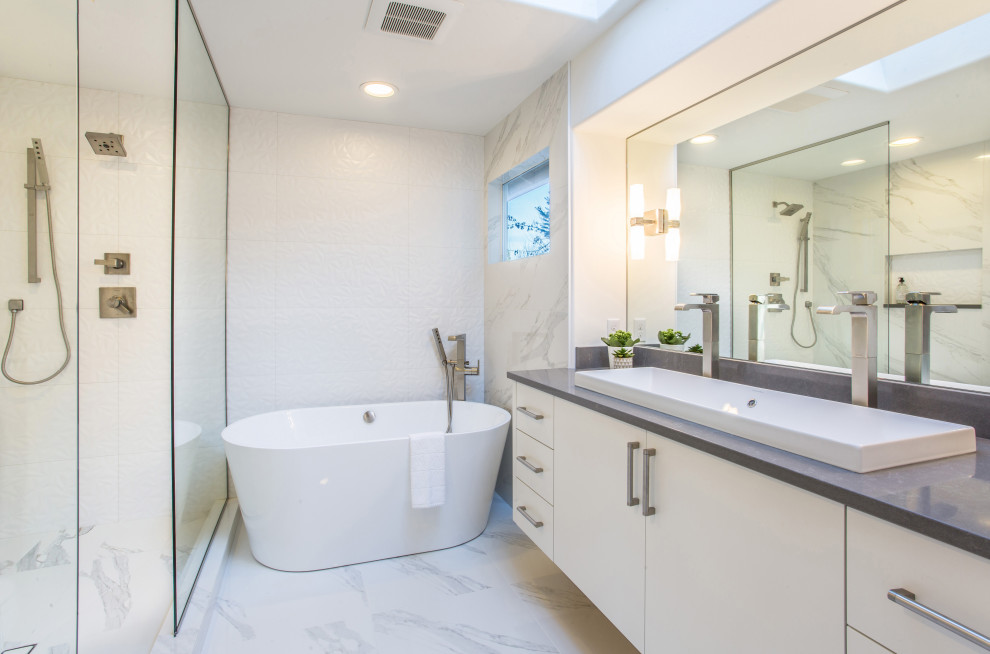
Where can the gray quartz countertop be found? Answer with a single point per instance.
(948, 499)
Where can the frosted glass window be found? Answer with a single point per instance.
(526, 213)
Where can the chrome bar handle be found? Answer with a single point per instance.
(906, 598)
(630, 500)
(647, 509)
(536, 523)
(521, 459)
(526, 412)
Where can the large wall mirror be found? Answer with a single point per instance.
(874, 178)
(199, 261)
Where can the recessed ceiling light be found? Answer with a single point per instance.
(853, 162)
(378, 89)
(703, 139)
(907, 140)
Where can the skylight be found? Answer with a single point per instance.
(938, 55)
(588, 9)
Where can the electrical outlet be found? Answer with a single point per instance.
(611, 325)
(639, 329)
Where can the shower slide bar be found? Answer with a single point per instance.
(37, 180)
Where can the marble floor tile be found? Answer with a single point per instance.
(495, 594)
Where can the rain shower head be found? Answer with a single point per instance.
(108, 144)
(789, 209)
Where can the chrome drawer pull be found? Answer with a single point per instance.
(906, 598)
(532, 521)
(647, 453)
(521, 459)
(529, 414)
(630, 500)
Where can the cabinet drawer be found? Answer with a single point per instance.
(857, 643)
(534, 413)
(525, 499)
(882, 557)
(537, 455)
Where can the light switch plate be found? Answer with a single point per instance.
(611, 325)
(639, 329)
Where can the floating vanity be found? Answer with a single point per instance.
(692, 539)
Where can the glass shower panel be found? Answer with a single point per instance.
(808, 224)
(38, 389)
(199, 287)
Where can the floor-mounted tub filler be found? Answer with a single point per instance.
(326, 487)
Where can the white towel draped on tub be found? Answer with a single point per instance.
(427, 469)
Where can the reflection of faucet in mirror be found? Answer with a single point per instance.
(864, 344)
(759, 305)
(917, 335)
(709, 312)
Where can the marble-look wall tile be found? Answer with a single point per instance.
(527, 300)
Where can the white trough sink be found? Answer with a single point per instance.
(852, 437)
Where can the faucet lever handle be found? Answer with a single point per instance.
(920, 297)
(709, 298)
(860, 298)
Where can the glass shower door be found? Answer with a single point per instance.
(38, 388)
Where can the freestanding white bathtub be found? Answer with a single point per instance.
(321, 488)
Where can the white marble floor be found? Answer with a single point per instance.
(496, 594)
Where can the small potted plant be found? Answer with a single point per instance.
(622, 358)
(696, 349)
(672, 340)
(616, 340)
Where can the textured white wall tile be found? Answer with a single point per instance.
(249, 396)
(200, 203)
(98, 340)
(37, 498)
(446, 277)
(97, 113)
(340, 149)
(146, 124)
(253, 138)
(97, 490)
(37, 349)
(445, 217)
(198, 343)
(98, 420)
(144, 345)
(251, 214)
(200, 273)
(145, 485)
(30, 432)
(98, 197)
(36, 109)
(368, 276)
(145, 201)
(13, 204)
(303, 275)
(202, 136)
(151, 270)
(145, 423)
(251, 274)
(445, 159)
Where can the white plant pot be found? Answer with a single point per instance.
(674, 348)
(611, 358)
(618, 364)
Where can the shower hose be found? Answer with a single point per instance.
(61, 318)
(811, 314)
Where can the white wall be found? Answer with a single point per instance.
(348, 242)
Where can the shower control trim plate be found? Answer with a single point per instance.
(115, 263)
(118, 302)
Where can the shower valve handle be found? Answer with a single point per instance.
(111, 262)
(117, 302)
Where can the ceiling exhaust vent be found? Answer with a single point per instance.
(427, 20)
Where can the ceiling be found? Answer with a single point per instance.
(311, 56)
(946, 107)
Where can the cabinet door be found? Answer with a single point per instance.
(739, 562)
(599, 539)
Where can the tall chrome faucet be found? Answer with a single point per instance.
(709, 312)
(864, 344)
(759, 305)
(917, 335)
(462, 366)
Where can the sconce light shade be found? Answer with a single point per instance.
(673, 244)
(637, 201)
(674, 204)
(637, 243)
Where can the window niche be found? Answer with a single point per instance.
(519, 211)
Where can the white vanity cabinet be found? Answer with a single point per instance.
(884, 557)
(599, 531)
(739, 562)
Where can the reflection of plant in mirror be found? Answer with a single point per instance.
(671, 337)
(619, 338)
(696, 348)
(622, 353)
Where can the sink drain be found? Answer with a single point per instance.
(751, 404)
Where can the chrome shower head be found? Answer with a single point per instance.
(107, 143)
(789, 209)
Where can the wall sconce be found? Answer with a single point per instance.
(654, 222)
